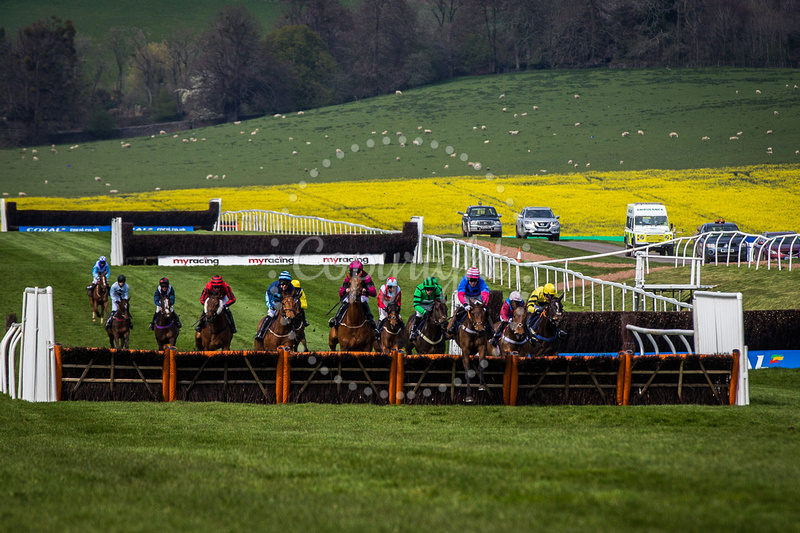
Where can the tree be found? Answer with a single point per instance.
(44, 88)
(182, 51)
(231, 65)
(309, 62)
(119, 42)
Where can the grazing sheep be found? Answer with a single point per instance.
(209, 176)
(758, 91)
(175, 136)
(536, 108)
(113, 191)
(626, 134)
(35, 158)
(471, 164)
(515, 115)
(126, 145)
(577, 124)
(98, 178)
(576, 165)
(301, 112)
(705, 138)
(734, 138)
(185, 141)
(524, 114)
(474, 128)
(569, 162)
(428, 131)
(587, 165)
(640, 132)
(769, 132)
(769, 150)
(447, 166)
(238, 122)
(398, 158)
(22, 194)
(294, 152)
(796, 152)
(577, 96)
(398, 93)
(486, 141)
(483, 127)
(34, 151)
(738, 133)
(513, 132)
(673, 135)
(162, 132)
(505, 109)
(621, 161)
(276, 115)
(53, 150)
(502, 96)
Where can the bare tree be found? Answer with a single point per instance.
(182, 50)
(119, 42)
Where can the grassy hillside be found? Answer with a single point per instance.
(714, 103)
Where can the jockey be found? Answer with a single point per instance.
(356, 268)
(119, 291)
(538, 302)
(164, 289)
(425, 295)
(387, 294)
(471, 286)
(301, 295)
(228, 299)
(275, 292)
(100, 268)
(513, 301)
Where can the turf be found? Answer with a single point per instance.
(228, 467)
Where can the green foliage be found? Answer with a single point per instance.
(165, 107)
(310, 63)
(101, 125)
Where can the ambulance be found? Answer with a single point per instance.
(647, 224)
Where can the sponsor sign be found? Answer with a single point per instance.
(163, 228)
(269, 260)
(757, 359)
(63, 229)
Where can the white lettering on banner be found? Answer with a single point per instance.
(269, 260)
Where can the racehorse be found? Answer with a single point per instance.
(99, 299)
(472, 338)
(216, 334)
(545, 327)
(281, 332)
(354, 334)
(392, 334)
(118, 332)
(166, 329)
(515, 339)
(431, 337)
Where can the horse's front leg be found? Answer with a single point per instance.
(465, 360)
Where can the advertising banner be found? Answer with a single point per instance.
(757, 359)
(63, 229)
(269, 260)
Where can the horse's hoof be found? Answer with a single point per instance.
(468, 399)
(482, 388)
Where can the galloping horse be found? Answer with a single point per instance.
(166, 329)
(99, 299)
(515, 339)
(432, 336)
(392, 333)
(354, 334)
(281, 332)
(215, 334)
(472, 338)
(118, 332)
(546, 326)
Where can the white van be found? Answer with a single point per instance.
(647, 223)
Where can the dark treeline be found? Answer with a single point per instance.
(322, 53)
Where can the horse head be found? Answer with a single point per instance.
(477, 314)
(213, 305)
(517, 321)
(354, 292)
(555, 310)
(439, 314)
(289, 308)
(102, 285)
(393, 318)
(122, 308)
(165, 306)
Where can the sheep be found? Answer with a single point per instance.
(398, 93)
(769, 132)
(577, 96)
(577, 124)
(587, 165)
(775, 113)
(524, 115)
(34, 151)
(185, 141)
(477, 166)
(640, 132)
(158, 188)
(22, 193)
(276, 115)
(126, 145)
(98, 178)
(483, 127)
(621, 161)
(35, 158)
(486, 141)
(294, 152)
(673, 135)
(209, 176)
(626, 133)
(398, 158)
(758, 91)
(739, 133)
(515, 115)
(705, 138)
(428, 131)
(502, 96)
(505, 109)
(474, 128)
(238, 122)
(301, 112)
(734, 138)
(797, 152)
(513, 132)
(162, 132)
(53, 150)
(447, 166)
(769, 150)
(569, 162)
(536, 108)
(471, 164)
(113, 191)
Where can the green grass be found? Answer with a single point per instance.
(231, 467)
(695, 102)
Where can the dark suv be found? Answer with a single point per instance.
(720, 242)
(481, 219)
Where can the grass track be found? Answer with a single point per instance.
(183, 467)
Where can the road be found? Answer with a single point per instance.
(601, 247)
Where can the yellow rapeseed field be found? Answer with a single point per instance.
(758, 198)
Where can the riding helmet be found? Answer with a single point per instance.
(216, 281)
(429, 283)
(473, 273)
(515, 296)
(121, 278)
(102, 259)
(550, 289)
(164, 282)
(285, 275)
(391, 282)
(356, 265)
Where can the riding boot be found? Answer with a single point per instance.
(110, 318)
(456, 322)
(130, 323)
(497, 334)
(262, 331)
(229, 319)
(153, 323)
(414, 333)
(177, 320)
(201, 323)
(303, 318)
(337, 318)
(379, 328)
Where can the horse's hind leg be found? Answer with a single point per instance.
(465, 360)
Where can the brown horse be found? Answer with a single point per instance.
(215, 334)
(354, 334)
(393, 336)
(166, 329)
(545, 327)
(472, 338)
(432, 337)
(99, 299)
(118, 332)
(281, 332)
(515, 339)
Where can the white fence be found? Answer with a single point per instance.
(37, 367)
(284, 223)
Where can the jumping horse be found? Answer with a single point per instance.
(216, 334)
(545, 327)
(515, 339)
(472, 338)
(392, 334)
(354, 334)
(118, 331)
(166, 329)
(99, 299)
(281, 332)
(432, 334)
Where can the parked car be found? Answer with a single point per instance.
(720, 241)
(538, 222)
(482, 219)
(777, 245)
